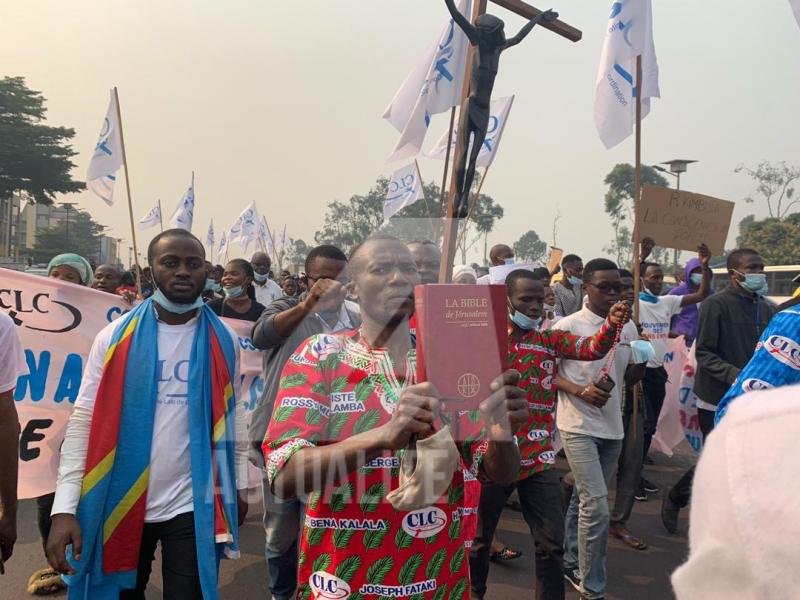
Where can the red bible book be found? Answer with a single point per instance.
(462, 339)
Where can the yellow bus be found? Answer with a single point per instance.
(779, 278)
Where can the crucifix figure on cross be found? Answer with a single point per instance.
(489, 40)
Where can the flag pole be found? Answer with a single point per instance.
(422, 185)
(160, 216)
(128, 189)
(637, 186)
(443, 195)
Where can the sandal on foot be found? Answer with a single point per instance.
(505, 554)
(627, 537)
(45, 582)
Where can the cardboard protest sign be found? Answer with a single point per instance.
(554, 260)
(684, 220)
(57, 323)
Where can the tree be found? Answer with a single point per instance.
(84, 238)
(296, 253)
(777, 240)
(530, 248)
(484, 216)
(34, 158)
(619, 207)
(349, 223)
(776, 184)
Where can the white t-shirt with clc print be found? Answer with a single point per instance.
(655, 318)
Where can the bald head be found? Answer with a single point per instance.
(261, 263)
(499, 254)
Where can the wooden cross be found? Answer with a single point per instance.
(451, 225)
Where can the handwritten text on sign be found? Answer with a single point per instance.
(684, 220)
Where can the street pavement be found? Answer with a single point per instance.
(632, 574)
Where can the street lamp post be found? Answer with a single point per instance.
(676, 167)
(67, 206)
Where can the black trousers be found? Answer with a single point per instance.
(681, 492)
(654, 387)
(44, 506)
(178, 560)
(543, 509)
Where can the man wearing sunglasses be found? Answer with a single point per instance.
(589, 419)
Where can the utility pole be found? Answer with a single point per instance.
(67, 206)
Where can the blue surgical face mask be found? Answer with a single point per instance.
(575, 281)
(210, 283)
(525, 322)
(755, 282)
(233, 292)
(175, 307)
(260, 278)
(696, 279)
(509, 261)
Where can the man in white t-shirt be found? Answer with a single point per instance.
(589, 420)
(655, 315)
(12, 365)
(177, 261)
(267, 291)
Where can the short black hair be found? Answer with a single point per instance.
(248, 269)
(172, 233)
(597, 264)
(646, 265)
(570, 258)
(324, 251)
(542, 272)
(735, 258)
(625, 273)
(518, 274)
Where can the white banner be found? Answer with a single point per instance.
(184, 213)
(499, 111)
(107, 157)
(245, 227)
(151, 219)
(57, 323)
(405, 188)
(434, 86)
(629, 34)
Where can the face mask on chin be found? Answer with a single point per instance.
(525, 322)
(176, 308)
(233, 292)
(260, 278)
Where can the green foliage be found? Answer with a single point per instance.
(380, 569)
(348, 567)
(529, 248)
(34, 158)
(619, 207)
(775, 183)
(348, 223)
(777, 240)
(83, 239)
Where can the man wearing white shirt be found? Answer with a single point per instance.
(267, 291)
(177, 261)
(655, 315)
(589, 420)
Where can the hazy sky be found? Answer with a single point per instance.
(281, 102)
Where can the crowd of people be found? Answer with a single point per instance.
(157, 448)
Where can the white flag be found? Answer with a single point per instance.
(434, 86)
(210, 238)
(224, 239)
(629, 34)
(107, 157)
(499, 111)
(795, 4)
(264, 236)
(246, 226)
(405, 188)
(152, 218)
(184, 213)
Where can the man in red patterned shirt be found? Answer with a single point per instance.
(349, 403)
(533, 353)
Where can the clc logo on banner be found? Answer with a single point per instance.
(425, 522)
(325, 585)
(61, 316)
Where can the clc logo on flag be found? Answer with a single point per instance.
(325, 585)
(399, 188)
(784, 350)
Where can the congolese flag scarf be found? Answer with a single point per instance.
(112, 506)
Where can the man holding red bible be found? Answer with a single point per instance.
(348, 405)
(533, 353)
